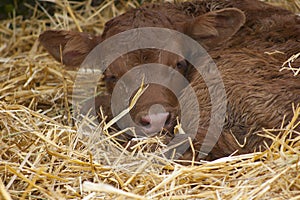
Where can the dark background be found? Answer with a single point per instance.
(22, 7)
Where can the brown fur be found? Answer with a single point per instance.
(258, 95)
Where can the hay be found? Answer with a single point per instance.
(42, 156)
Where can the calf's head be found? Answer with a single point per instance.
(157, 107)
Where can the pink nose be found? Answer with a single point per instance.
(154, 122)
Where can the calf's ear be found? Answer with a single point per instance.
(215, 27)
(68, 47)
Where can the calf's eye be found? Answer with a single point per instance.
(111, 78)
(182, 65)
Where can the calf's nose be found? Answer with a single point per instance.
(153, 123)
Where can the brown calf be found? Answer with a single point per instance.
(236, 35)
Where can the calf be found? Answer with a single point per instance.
(236, 34)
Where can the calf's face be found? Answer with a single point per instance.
(157, 107)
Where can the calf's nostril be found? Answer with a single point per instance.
(168, 120)
(145, 121)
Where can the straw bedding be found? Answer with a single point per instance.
(42, 155)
